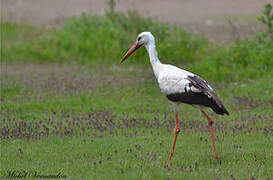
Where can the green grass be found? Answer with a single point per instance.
(129, 128)
(117, 157)
(68, 107)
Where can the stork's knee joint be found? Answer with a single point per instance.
(211, 122)
(177, 130)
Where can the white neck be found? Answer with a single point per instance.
(155, 62)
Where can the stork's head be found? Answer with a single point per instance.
(143, 38)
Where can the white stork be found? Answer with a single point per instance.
(180, 86)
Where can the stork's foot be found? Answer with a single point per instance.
(171, 155)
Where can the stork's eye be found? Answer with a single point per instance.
(138, 39)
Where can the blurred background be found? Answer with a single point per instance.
(221, 20)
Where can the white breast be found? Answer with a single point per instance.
(173, 80)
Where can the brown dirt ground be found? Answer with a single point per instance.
(217, 19)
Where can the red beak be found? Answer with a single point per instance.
(130, 51)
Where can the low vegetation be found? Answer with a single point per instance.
(104, 39)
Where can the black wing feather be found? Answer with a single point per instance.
(216, 104)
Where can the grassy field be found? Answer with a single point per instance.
(65, 110)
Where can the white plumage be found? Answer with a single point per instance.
(174, 80)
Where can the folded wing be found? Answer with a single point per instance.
(215, 102)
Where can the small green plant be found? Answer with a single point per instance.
(111, 4)
(267, 17)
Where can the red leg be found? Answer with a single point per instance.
(211, 131)
(175, 136)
